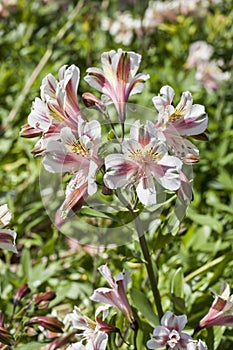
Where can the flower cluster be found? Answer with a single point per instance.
(95, 333)
(150, 157)
(125, 26)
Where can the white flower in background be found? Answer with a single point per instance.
(122, 28)
(208, 71)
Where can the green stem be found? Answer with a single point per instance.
(149, 266)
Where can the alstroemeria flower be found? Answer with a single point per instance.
(169, 333)
(143, 162)
(95, 333)
(7, 236)
(58, 107)
(221, 311)
(185, 120)
(118, 79)
(196, 345)
(116, 295)
(76, 154)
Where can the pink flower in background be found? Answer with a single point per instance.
(170, 333)
(199, 51)
(208, 71)
(221, 311)
(7, 236)
(143, 162)
(76, 154)
(176, 123)
(116, 295)
(118, 79)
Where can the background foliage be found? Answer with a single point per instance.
(51, 34)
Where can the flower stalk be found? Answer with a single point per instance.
(149, 266)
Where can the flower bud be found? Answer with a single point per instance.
(50, 323)
(42, 300)
(29, 131)
(62, 341)
(91, 100)
(20, 293)
(6, 337)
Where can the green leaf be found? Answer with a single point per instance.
(207, 220)
(141, 302)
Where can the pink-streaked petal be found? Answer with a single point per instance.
(48, 87)
(67, 136)
(38, 117)
(106, 273)
(125, 277)
(119, 171)
(131, 146)
(175, 322)
(7, 240)
(57, 159)
(153, 344)
(100, 341)
(76, 195)
(137, 85)
(185, 104)
(104, 295)
(60, 96)
(96, 78)
(78, 320)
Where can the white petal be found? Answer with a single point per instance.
(147, 196)
(5, 215)
(106, 273)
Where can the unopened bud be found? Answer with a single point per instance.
(190, 158)
(91, 101)
(6, 337)
(42, 300)
(50, 323)
(28, 131)
(20, 293)
(31, 332)
(62, 341)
